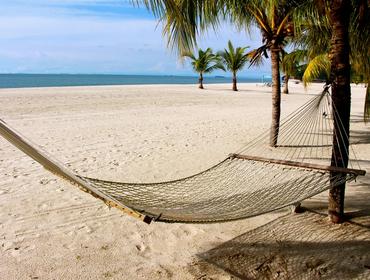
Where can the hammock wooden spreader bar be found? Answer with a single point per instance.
(14, 137)
(324, 168)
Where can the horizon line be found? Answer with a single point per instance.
(137, 74)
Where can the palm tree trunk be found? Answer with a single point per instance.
(367, 103)
(201, 81)
(286, 81)
(341, 95)
(234, 82)
(276, 96)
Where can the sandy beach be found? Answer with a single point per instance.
(49, 229)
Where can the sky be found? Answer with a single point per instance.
(99, 37)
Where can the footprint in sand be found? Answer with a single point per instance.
(44, 181)
(140, 247)
(3, 192)
(8, 245)
(16, 251)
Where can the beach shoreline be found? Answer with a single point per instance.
(60, 80)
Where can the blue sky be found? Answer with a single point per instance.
(97, 36)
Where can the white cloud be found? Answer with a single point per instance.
(42, 36)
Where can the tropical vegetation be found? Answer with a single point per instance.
(205, 62)
(290, 66)
(346, 23)
(234, 59)
(275, 21)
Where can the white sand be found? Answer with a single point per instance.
(51, 230)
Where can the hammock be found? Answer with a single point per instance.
(256, 179)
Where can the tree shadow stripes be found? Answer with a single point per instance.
(295, 246)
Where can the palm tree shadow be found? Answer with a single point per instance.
(303, 246)
(357, 207)
(240, 90)
(357, 118)
(360, 137)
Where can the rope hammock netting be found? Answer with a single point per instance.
(256, 179)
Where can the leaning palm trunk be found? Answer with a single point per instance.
(341, 95)
(201, 81)
(286, 81)
(234, 82)
(367, 103)
(275, 96)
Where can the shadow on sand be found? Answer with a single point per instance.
(360, 136)
(357, 118)
(295, 246)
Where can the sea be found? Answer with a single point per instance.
(60, 80)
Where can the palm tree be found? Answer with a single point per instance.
(339, 17)
(184, 19)
(367, 104)
(342, 38)
(345, 20)
(275, 21)
(290, 66)
(206, 62)
(234, 60)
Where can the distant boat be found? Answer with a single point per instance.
(220, 77)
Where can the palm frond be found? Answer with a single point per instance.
(282, 24)
(215, 67)
(188, 55)
(256, 56)
(205, 61)
(234, 59)
(184, 19)
(317, 66)
(291, 62)
(255, 59)
(260, 18)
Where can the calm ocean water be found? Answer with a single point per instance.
(58, 80)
